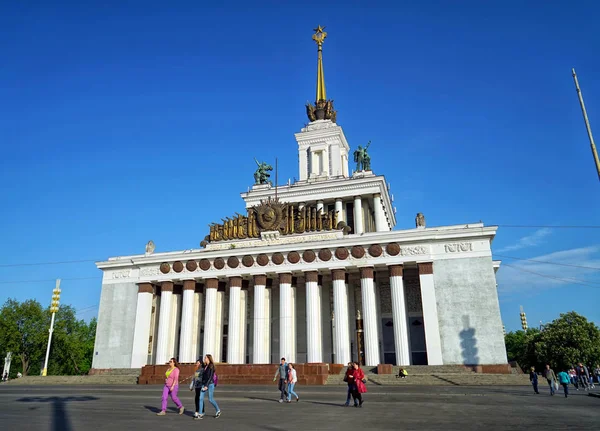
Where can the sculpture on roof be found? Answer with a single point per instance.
(323, 108)
(420, 220)
(362, 158)
(261, 175)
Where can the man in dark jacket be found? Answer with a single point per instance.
(282, 371)
(533, 378)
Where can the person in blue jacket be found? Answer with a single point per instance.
(564, 380)
(533, 378)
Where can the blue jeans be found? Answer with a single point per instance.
(566, 388)
(291, 391)
(551, 384)
(349, 395)
(210, 390)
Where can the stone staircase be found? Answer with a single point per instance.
(441, 375)
(116, 376)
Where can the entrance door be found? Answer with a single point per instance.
(389, 347)
(360, 347)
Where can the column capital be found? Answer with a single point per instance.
(357, 197)
(189, 285)
(285, 278)
(211, 283)
(376, 195)
(396, 270)
(367, 272)
(311, 276)
(338, 199)
(425, 268)
(235, 281)
(166, 286)
(260, 280)
(338, 274)
(145, 288)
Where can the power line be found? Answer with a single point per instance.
(49, 280)
(548, 226)
(8, 265)
(549, 263)
(564, 280)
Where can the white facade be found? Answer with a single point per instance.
(416, 296)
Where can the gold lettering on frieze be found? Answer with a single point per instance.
(411, 251)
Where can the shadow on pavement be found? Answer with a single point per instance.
(60, 417)
(327, 404)
(263, 399)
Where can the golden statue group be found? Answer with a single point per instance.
(272, 215)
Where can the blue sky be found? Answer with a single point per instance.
(121, 123)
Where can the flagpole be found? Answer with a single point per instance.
(587, 123)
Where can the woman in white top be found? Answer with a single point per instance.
(292, 379)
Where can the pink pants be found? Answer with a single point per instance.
(165, 396)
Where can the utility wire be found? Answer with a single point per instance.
(49, 280)
(564, 280)
(549, 263)
(8, 265)
(548, 226)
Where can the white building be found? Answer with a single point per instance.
(316, 275)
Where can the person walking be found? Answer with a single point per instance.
(292, 380)
(551, 378)
(357, 377)
(533, 378)
(208, 385)
(347, 380)
(171, 388)
(564, 379)
(583, 376)
(282, 373)
(196, 386)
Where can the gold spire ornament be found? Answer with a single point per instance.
(323, 108)
(319, 38)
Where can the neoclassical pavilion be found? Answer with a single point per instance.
(313, 271)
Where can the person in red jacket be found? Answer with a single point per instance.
(356, 379)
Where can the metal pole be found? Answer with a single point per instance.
(587, 123)
(45, 370)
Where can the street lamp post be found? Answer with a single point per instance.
(53, 310)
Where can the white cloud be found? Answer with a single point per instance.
(532, 240)
(522, 275)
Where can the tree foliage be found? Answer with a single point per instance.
(564, 342)
(24, 331)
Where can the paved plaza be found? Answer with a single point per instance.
(73, 408)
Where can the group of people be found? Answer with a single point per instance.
(203, 381)
(287, 380)
(355, 378)
(577, 376)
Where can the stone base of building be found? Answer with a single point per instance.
(308, 374)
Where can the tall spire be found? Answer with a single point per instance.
(323, 108)
(319, 38)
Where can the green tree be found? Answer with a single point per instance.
(24, 331)
(568, 340)
(23, 328)
(518, 347)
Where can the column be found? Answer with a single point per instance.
(358, 216)
(143, 317)
(286, 335)
(234, 355)
(164, 322)
(186, 348)
(399, 316)
(210, 316)
(341, 336)
(430, 315)
(244, 296)
(314, 163)
(260, 333)
(197, 326)
(320, 206)
(369, 316)
(380, 221)
(339, 210)
(314, 351)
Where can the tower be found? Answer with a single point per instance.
(322, 146)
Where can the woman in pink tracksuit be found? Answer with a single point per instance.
(171, 388)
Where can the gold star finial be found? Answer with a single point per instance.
(319, 35)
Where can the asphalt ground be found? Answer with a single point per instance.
(113, 408)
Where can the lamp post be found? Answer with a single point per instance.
(523, 319)
(53, 310)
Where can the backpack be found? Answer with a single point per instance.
(215, 379)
